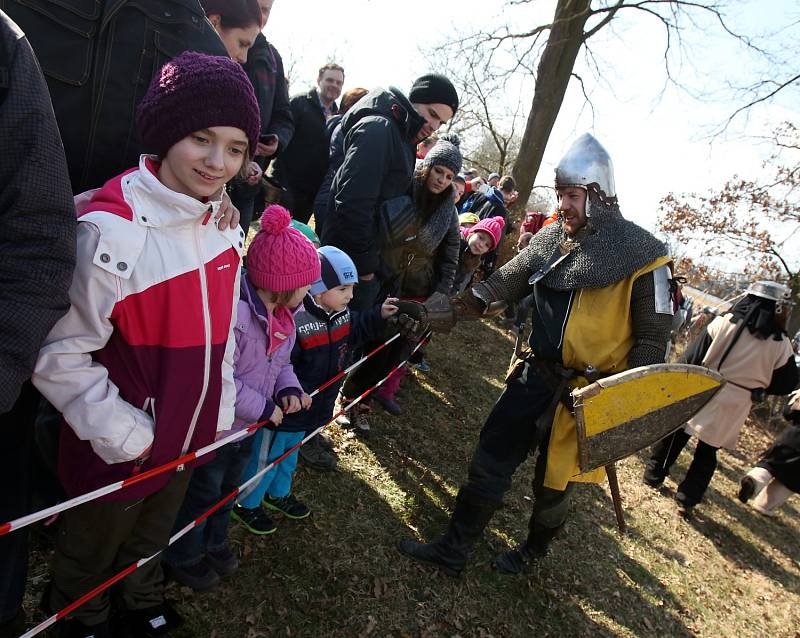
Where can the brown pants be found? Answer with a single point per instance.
(98, 539)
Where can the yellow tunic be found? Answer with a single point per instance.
(599, 333)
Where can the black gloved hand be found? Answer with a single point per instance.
(406, 325)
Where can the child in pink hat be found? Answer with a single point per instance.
(476, 241)
(281, 266)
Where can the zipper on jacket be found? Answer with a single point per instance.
(207, 350)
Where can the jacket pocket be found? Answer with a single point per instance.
(61, 33)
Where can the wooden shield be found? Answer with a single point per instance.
(624, 413)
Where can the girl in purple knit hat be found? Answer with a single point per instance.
(141, 367)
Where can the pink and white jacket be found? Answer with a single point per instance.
(145, 354)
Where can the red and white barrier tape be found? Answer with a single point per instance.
(180, 533)
(29, 519)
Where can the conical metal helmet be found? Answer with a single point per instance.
(588, 165)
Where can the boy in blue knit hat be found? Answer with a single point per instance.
(326, 332)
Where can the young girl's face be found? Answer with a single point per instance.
(202, 162)
(479, 243)
(439, 178)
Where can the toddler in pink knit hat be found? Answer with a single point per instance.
(476, 241)
(281, 266)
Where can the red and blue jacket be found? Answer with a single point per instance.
(324, 342)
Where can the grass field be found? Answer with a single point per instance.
(726, 572)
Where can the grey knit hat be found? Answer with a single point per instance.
(445, 153)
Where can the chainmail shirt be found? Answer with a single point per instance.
(608, 249)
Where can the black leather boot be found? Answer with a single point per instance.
(466, 525)
(515, 561)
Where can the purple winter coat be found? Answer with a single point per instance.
(259, 377)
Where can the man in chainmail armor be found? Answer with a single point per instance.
(602, 304)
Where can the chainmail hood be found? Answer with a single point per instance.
(608, 249)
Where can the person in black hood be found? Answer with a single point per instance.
(380, 137)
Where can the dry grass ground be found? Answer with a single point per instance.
(727, 572)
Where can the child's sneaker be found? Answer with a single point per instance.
(359, 422)
(423, 366)
(288, 505)
(254, 519)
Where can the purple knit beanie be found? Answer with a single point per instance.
(281, 258)
(195, 91)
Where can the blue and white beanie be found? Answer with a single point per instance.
(337, 270)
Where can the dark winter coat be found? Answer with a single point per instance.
(264, 67)
(98, 59)
(490, 204)
(428, 263)
(37, 217)
(321, 350)
(379, 156)
(302, 164)
(335, 159)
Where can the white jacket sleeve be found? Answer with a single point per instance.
(227, 405)
(75, 384)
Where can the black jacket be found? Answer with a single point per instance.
(37, 217)
(264, 67)
(379, 155)
(335, 159)
(321, 351)
(98, 59)
(302, 164)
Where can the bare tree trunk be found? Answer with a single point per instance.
(553, 75)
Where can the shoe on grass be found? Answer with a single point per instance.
(324, 441)
(388, 404)
(200, 576)
(360, 423)
(423, 367)
(315, 456)
(254, 520)
(149, 622)
(287, 505)
(223, 560)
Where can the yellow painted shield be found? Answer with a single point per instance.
(624, 413)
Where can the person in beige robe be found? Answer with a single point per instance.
(750, 348)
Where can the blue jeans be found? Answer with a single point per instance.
(278, 481)
(209, 484)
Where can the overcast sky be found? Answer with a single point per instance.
(658, 144)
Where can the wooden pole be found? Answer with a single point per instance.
(613, 483)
